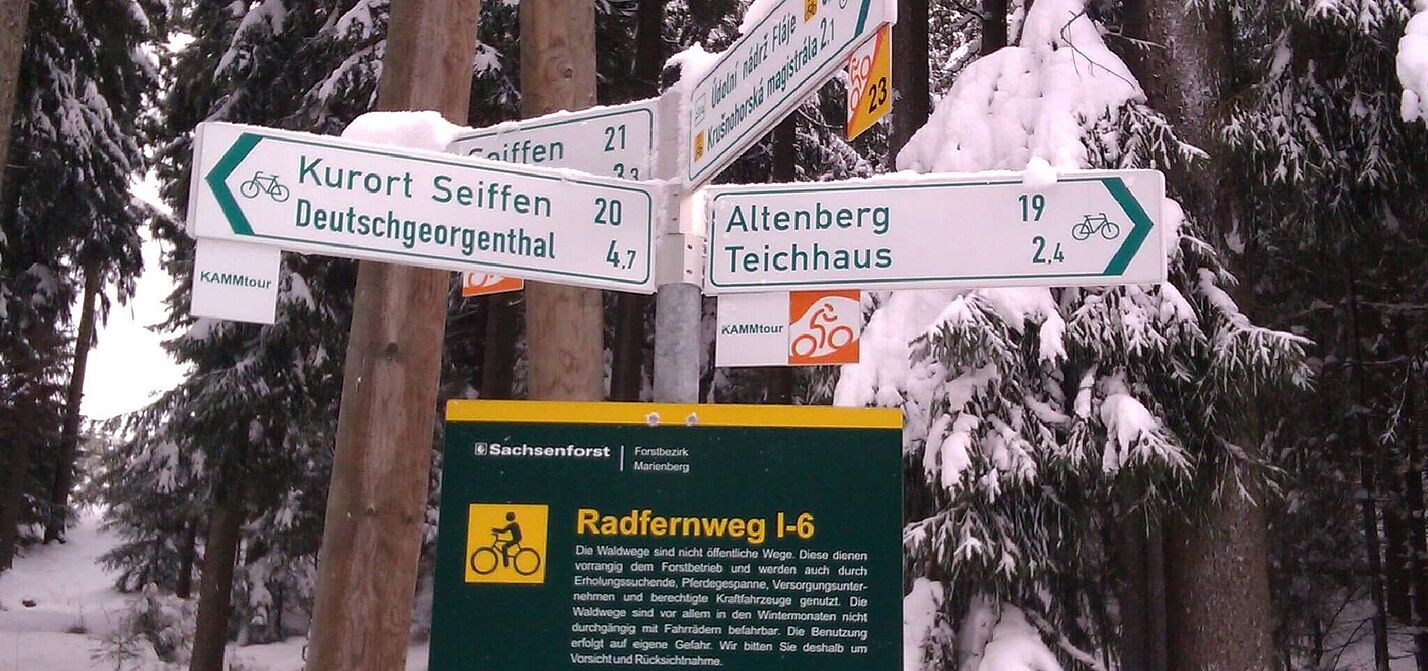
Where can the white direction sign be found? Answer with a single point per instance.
(1088, 228)
(323, 195)
(768, 72)
(616, 141)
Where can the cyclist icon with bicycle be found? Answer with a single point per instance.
(505, 543)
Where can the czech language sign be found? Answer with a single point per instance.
(624, 535)
(768, 72)
(323, 195)
(616, 141)
(800, 328)
(870, 83)
(1087, 228)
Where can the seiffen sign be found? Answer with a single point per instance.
(323, 195)
(616, 141)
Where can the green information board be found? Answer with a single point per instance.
(626, 535)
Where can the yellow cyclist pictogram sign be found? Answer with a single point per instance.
(505, 543)
(870, 82)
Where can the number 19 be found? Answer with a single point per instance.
(1036, 202)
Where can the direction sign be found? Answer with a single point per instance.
(1088, 228)
(768, 72)
(323, 195)
(616, 141)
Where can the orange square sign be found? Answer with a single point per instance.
(870, 83)
(824, 327)
(484, 284)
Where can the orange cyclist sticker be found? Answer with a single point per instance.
(484, 284)
(824, 327)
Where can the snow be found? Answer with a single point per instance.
(1017, 646)
(1027, 102)
(1413, 65)
(756, 12)
(418, 130)
(76, 605)
(920, 624)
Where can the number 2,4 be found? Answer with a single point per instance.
(1039, 255)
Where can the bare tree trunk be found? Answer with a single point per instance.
(994, 25)
(188, 549)
(564, 324)
(627, 376)
(1140, 554)
(17, 471)
(376, 503)
(1414, 510)
(1367, 481)
(1397, 588)
(215, 588)
(14, 17)
(69, 433)
(498, 357)
(1218, 611)
(912, 77)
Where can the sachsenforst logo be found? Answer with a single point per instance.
(528, 450)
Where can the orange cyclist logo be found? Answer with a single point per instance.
(824, 327)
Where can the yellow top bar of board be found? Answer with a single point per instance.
(673, 414)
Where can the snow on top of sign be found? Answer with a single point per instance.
(1413, 65)
(417, 130)
(756, 12)
(1028, 101)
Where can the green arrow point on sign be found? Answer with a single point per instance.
(1138, 233)
(862, 17)
(217, 181)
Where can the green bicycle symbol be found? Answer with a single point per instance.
(1092, 224)
(268, 184)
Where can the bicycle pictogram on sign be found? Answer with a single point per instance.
(1092, 224)
(261, 183)
(506, 543)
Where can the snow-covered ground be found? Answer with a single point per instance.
(75, 606)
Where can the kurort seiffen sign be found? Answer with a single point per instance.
(324, 195)
(625, 535)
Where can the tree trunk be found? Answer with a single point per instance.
(188, 549)
(215, 588)
(994, 26)
(564, 325)
(627, 372)
(1140, 556)
(1397, 588)
(1367, 482)
(17, 472)
(377, 501)
(498, 357)
(1414, 510)
(69, 433)
(912, 77)
(14, 17)
(1218, 612)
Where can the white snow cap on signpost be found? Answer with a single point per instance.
(1413, 65)
(417, 130)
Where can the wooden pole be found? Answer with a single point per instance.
(564, 325)
(377, 502)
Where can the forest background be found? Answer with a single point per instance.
(1222, 471)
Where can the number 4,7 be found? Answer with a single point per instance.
(613, 258)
